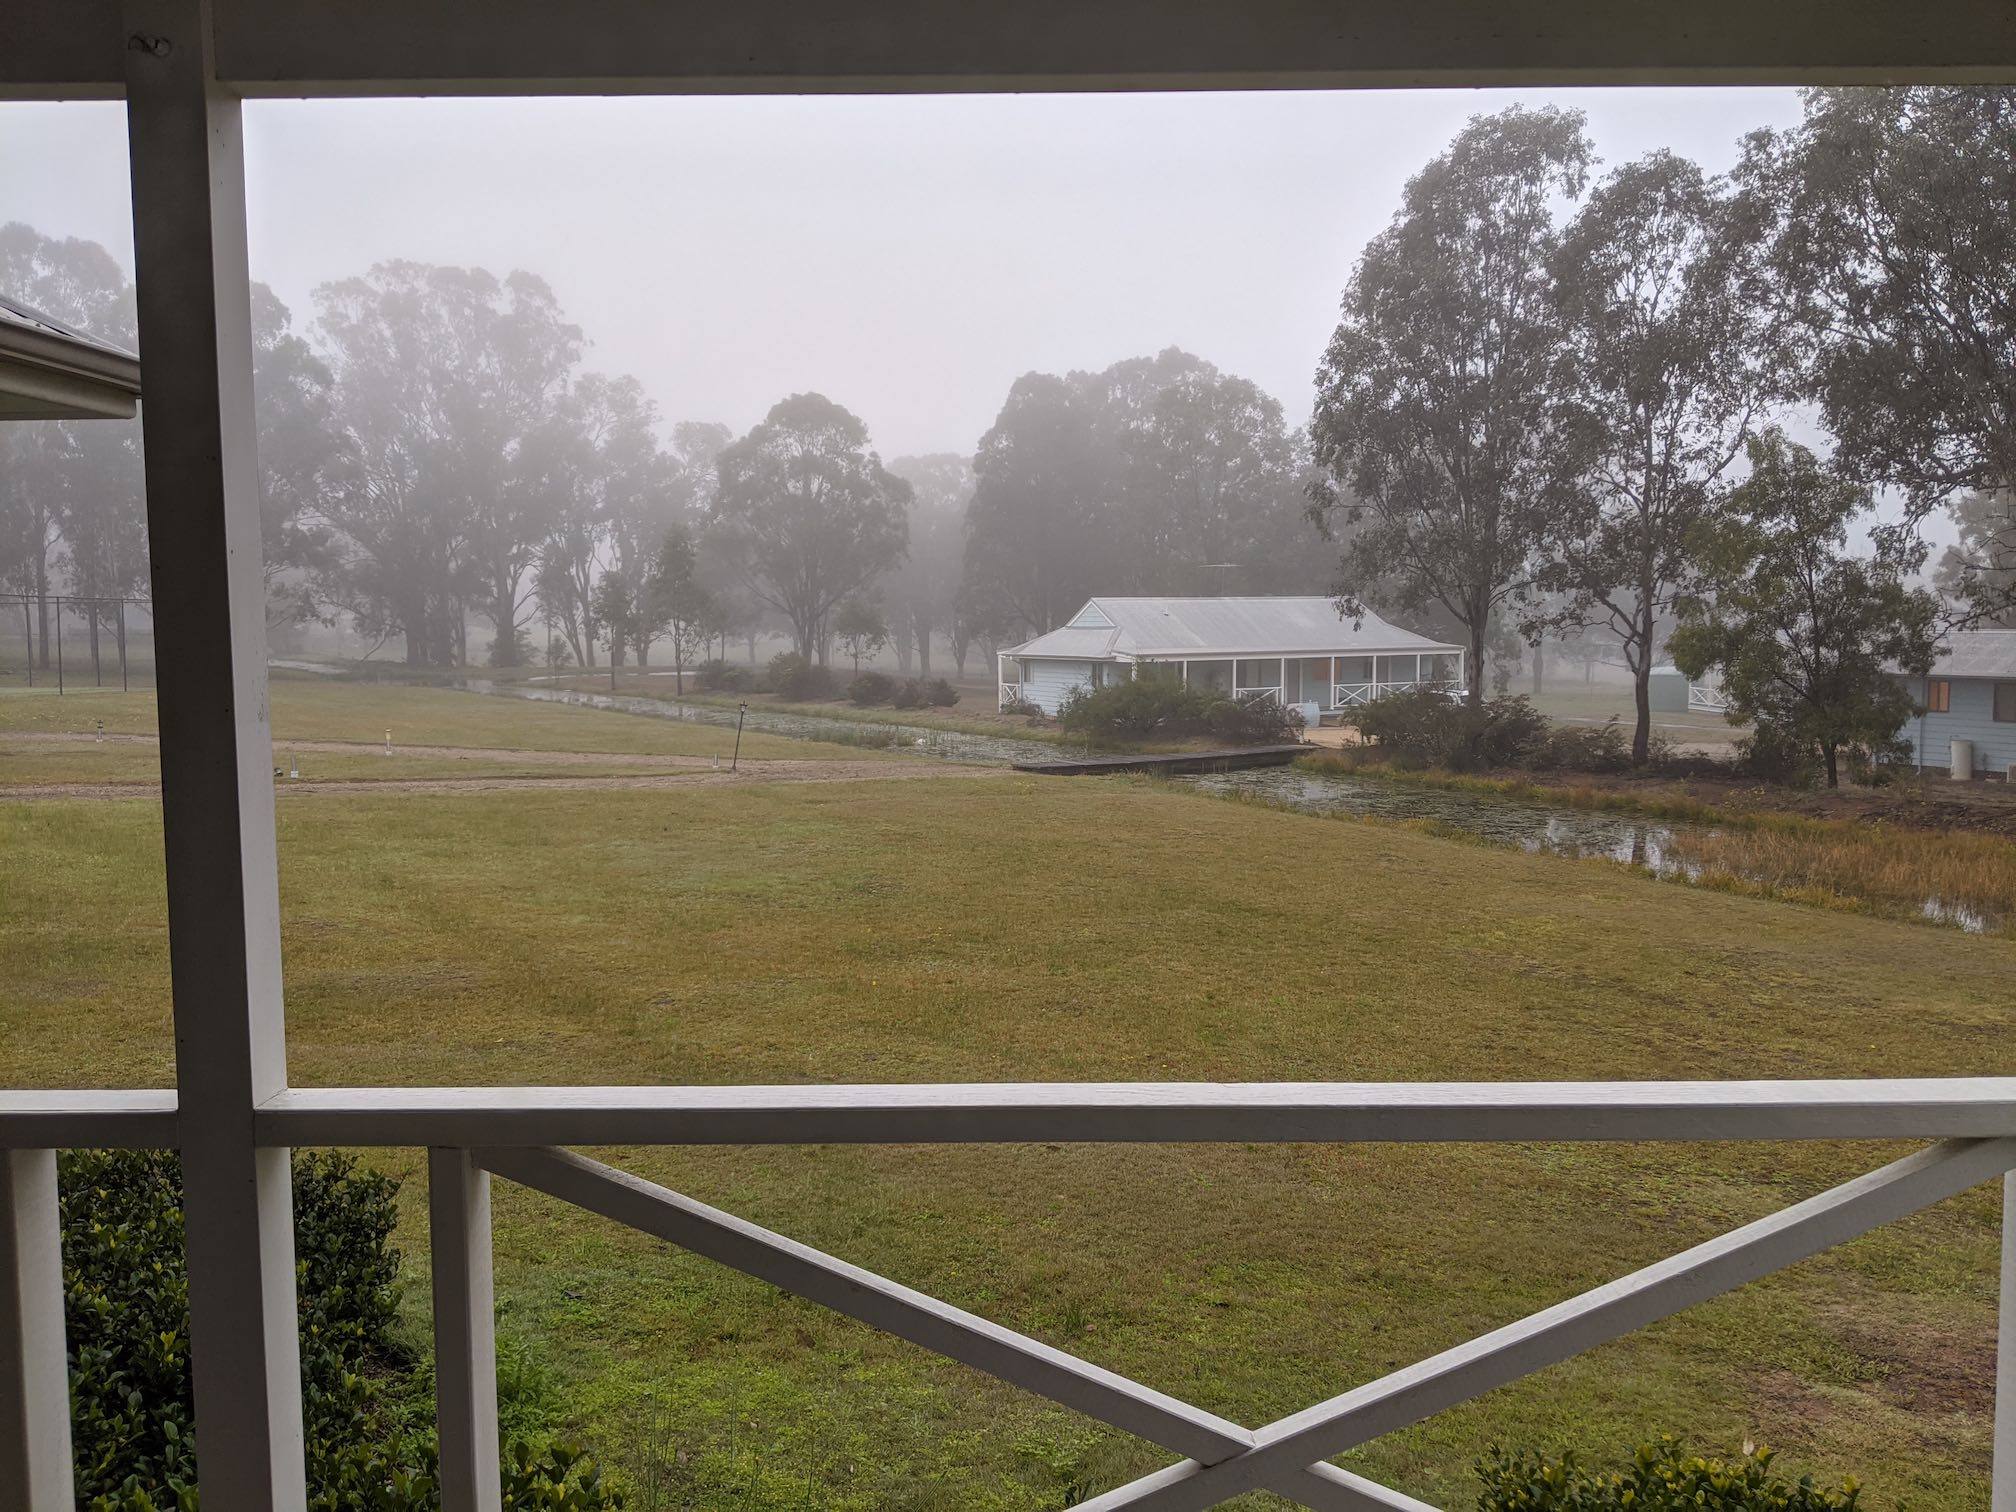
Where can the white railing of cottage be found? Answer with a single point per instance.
(1706, 700)
(519, 1134)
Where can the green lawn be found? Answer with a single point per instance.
(305, 707)
(1030, 928)
(1577, 703)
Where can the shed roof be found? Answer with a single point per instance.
(52, 371)
(1107, 628)
(1977, 653)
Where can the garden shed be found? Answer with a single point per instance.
(1299, 651)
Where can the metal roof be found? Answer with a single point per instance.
(1977, 653)
(52, 371)
(1153, 627)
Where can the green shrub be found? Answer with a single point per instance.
(910, 694)
(872, 688)
(1424, 726)
(1582, 748)
(1160, 707)
(940, 693)
(1661, 1478)
(719, 677)
(367, 1403)
(791, 676)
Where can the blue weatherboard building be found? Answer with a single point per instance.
(1969, 695)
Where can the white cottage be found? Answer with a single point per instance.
(1300, 651)
(1969, 696)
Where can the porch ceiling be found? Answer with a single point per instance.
(319, 47)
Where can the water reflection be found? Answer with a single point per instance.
(1530, 826)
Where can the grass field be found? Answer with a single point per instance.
(305, 707)
(1023, 928)
(1576, 703)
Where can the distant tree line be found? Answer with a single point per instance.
(1540, 415)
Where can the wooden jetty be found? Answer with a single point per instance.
(1169, 763)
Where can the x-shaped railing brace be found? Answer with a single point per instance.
(1224, 1459)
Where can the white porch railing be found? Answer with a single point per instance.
(517, 1133)
(1011, 693)
(1707, 700)
(1347, 694)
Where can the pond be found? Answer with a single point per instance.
(1529, 826)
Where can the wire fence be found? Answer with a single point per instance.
(64, 643)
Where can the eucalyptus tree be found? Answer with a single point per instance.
(1041, 532)
(922, 591)
(301, 457)
(1979, 568)
(1669, 367)
(1806, 633)
(1887, 215)
(63, 477)
(1213, 487)
(1437, 420)
(807, 514)
(442, 374)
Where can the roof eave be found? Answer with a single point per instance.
(47, 376)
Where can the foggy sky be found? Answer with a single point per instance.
(907, 256)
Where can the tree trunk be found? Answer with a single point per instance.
(901, 636)
(752, 648)
(1833, 754)
(1474, 694)
(1539, 667)
(924, 651)
(1641, 692)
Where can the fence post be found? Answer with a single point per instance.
(35, 1473)
(465, 1332)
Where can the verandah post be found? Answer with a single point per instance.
(194, 296)
(35, 1471)
(2004, 1482)
(465, 1332)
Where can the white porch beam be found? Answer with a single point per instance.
(1582, 1323)
(216, 752)
(35, 1474)
(308, 47)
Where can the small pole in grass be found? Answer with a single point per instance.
(101, 732)
(741, 712)
(388, 740)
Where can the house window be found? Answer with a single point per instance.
(1939, 697)
(2005, 703)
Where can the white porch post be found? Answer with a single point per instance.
(2004, 1481)
(465, 1332)
(216, 752)
(35, 1471)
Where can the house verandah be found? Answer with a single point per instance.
(183, 67)
(1300, 651)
